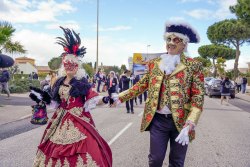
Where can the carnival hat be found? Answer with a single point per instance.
(5, 61)
(182, 30)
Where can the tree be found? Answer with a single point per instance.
(206, 63)
(6, 43)
(123, 67)
(55, 63)
(89, 69)
(220, 64)
(231, 32)
(242, 10)
(213, 51)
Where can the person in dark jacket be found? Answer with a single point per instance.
(111, 83)
(126, 82)
(225, 89)
(98, 78)
(4, 79)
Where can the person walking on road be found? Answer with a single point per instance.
(175, 85)
(71, 138)
(4, 82)
(238, 82)
(112, 83)
(126, 83)
(225, 90)
(244, 85)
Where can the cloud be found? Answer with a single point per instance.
(199, 13)
(222, 11)
(69, 24)
(116, 28)
(184, 1)
(34, 11)
(41, 46)
(177, 18)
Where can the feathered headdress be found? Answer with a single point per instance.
(71, 43)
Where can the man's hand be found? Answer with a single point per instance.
(183, 137)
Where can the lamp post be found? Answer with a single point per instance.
(97, 33)
(147, 49)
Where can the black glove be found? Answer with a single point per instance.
(106, 99)
(38, 95)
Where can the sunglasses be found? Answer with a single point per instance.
(174, 39)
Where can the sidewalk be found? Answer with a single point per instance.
(245, 97)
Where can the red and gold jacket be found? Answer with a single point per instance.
(186, 92)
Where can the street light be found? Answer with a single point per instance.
(97, 33)
(147, 49)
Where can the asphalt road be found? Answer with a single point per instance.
(16, 101)
(222, 138)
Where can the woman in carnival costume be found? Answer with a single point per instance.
(71, 139)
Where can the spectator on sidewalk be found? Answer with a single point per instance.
(111, 83)
(35, 76)
(126, 83)
(225, 89)
(238, 82)
(4, 79)
(98, 78)
(244, 85)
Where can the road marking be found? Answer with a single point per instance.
(26, 116)
(119, 134)
(140, 114)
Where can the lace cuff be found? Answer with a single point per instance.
(53, 105)
(191, 123)
(91, 103)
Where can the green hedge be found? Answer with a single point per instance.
(22, 85)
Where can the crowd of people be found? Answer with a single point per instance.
(115, 83)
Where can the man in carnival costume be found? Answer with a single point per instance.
(71, 138)
(175, 100)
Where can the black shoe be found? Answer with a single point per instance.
(127, 111)
(132, 112)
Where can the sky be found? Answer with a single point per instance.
(125, 26)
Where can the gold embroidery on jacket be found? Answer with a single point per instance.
(67, 134)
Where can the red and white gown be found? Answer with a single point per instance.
(71, 139)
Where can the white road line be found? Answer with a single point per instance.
(140, 114)
(26, 116)
(120, 133)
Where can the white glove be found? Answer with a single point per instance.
(115, 97)
(91, 103)
(183, 137)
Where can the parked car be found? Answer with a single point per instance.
(214, 86)
(206, 80)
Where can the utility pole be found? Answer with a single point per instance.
(97, 33)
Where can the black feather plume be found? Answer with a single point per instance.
(71, 43)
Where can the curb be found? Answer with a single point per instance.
(242, 99)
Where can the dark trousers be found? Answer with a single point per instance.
(98, 85)
(130, 105)
(238, 88)
(162, 130)
(110, 91)
(145, 94)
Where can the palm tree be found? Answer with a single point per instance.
(6, 43)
